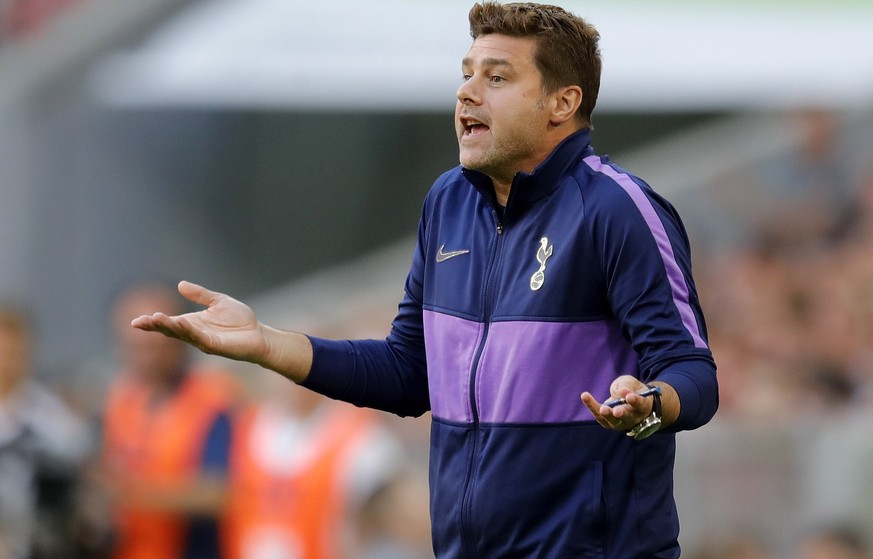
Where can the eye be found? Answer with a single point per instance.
(497, 79)
(466, 77)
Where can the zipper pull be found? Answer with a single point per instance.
(498, 219)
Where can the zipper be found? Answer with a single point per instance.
(486, 316)
(467, 506)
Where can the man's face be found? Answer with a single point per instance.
(501, 117)
(151, 356)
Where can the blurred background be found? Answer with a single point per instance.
(279, 151)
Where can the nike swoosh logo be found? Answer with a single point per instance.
(442, 255)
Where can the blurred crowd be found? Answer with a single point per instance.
(784, 265)
(820, 542)
(177, 457)
(182, 459)
(786, 274)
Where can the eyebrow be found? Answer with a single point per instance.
(488, 62)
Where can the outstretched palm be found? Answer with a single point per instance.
(225, 327)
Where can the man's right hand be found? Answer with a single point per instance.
(230, 328)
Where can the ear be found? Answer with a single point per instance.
(566, 101)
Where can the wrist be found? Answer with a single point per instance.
(650, 424)
(287, 353)
(670, 404)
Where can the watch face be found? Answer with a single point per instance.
(647, 428)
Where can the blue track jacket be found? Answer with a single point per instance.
(508, 316)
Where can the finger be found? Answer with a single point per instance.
(148, 322)
(597, 409)
(633, 399)
(188, 332)
(142, 322)
(198, 294)
(157, 322)
(591, 403)
(602, 414)
(180, 328)
(639, 405)
(618, 411)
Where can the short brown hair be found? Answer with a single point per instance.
(567, 51)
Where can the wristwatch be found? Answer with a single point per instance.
(650, 425)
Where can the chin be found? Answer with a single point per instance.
(473, 166)
(471, 161)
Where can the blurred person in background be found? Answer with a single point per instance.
(20, 19)
(852, 273)
(833, 542)
(166, 441)
(397, 520)
(806, 196)
(543, 273)
(302, 471)
(795, 199)
(39, 434)
(734, 547)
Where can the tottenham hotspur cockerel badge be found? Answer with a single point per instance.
(543, 254)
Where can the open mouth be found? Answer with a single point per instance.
(473, 126)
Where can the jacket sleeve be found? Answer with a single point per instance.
(646, 264)
(389, 374)
(695, 382)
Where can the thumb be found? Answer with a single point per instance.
(198, 294)
(625, 384)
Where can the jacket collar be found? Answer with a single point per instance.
(545, 179)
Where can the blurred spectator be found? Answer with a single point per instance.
(22, 18)
(836, 542)
(398, 515)
(304, 473)
(800, 196)
(40, 437)
(734, 547)
(167, 438)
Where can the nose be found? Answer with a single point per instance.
(468, 92)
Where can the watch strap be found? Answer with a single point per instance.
(652, 423)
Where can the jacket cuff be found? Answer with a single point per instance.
(331, 361)
(697, 387)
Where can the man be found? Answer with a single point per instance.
(166, 442)
(541, 270)
(833, 542)
(39, 433)
(302, 471)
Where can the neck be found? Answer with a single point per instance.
(502, 185)
(165, 385)
(501, 191)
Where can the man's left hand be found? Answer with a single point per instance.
(622, 417)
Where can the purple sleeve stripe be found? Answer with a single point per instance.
(677, 279)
